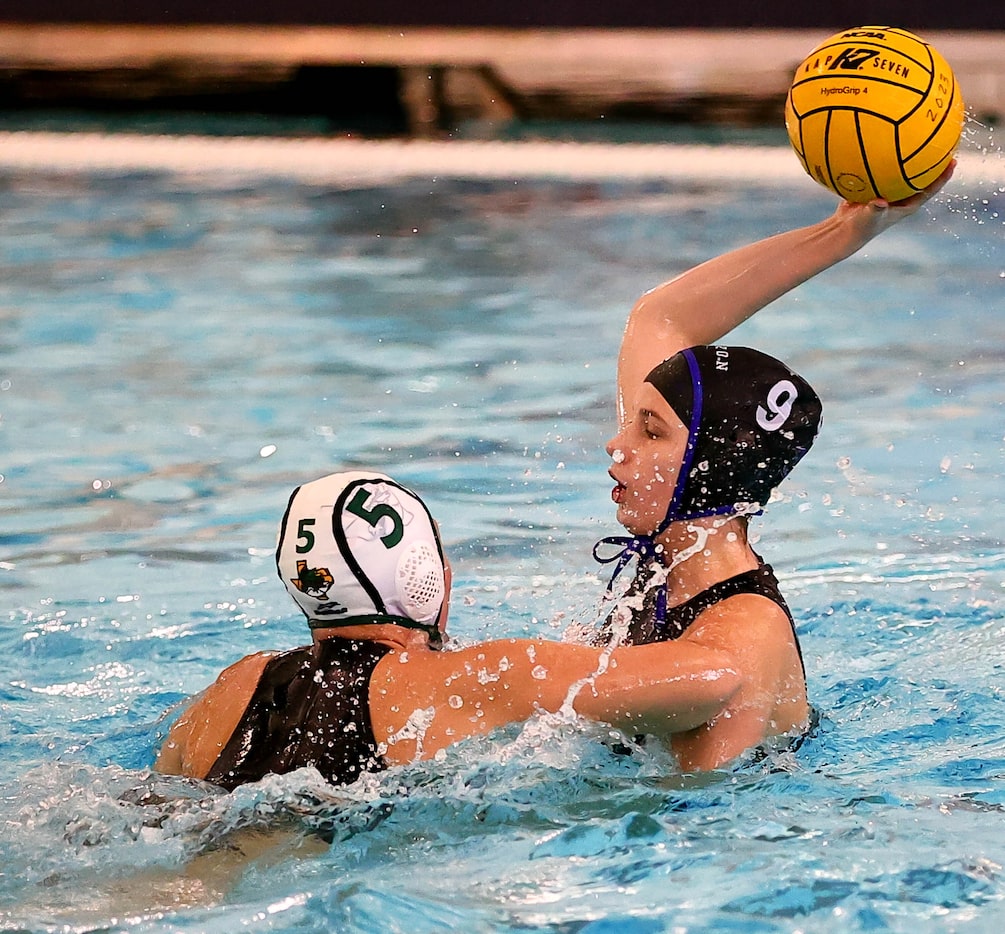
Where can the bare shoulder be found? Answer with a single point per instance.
(755, 631)
(748, 626)
(196, 739)
(234, 686)
(249, 667)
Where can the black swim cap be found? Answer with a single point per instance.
(750, 420)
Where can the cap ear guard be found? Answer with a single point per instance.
(419, 582)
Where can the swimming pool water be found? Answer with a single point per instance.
(177, 355)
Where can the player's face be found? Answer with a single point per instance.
(647, 454)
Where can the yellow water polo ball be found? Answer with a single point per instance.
(874, 112)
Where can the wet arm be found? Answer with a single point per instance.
(706, 302)
(661, 688)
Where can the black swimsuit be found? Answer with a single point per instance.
(644, 627)
(310, 708)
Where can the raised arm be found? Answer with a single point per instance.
(706, 302)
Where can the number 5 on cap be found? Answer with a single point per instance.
(305, 537)
(357, 506)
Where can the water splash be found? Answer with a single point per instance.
(98, 843)
(415, 728)
(977, 191)
(626, 604)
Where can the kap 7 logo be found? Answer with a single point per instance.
(852, 59)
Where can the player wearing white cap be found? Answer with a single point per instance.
(361, 556)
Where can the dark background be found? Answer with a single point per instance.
(910, 14)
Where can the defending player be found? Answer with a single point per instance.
(361, 556)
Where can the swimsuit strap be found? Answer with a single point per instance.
(656, 622)
(760, 581)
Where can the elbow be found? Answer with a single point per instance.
(728, 681)
(719, 688)
(686, 704)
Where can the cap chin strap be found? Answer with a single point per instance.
(645, 545)
(646, 548)
(629, 546)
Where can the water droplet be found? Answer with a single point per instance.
(539, 672)
(455, 701)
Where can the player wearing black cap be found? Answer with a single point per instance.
(705, 433)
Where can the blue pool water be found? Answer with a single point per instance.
(176, 355)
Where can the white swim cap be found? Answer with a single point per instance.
(356, 547)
